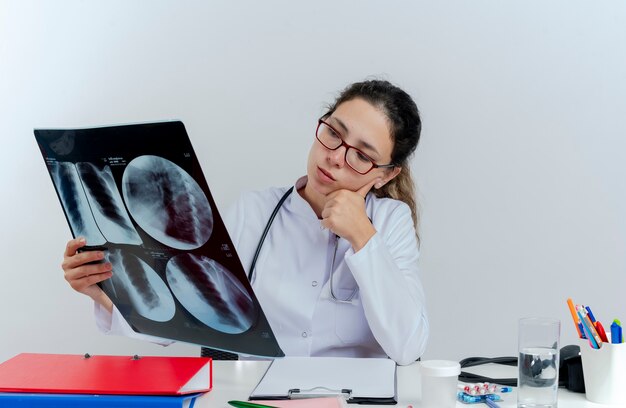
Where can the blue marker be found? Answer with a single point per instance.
(582, 331)
(591, 317)
(616, 332)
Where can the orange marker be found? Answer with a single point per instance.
(572, 310)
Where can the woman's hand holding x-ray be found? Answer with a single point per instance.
(83, 270)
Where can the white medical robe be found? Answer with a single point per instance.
(387, 315)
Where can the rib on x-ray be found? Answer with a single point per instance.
(106, 204)
(167, 202)
(211, 293)
(70, 189)
(143, 288)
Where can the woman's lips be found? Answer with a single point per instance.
(325, 176)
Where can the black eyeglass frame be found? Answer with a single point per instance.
(348, 147)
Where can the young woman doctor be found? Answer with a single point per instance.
(337, 273)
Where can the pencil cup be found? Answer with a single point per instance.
(439, 383)
(604, 370)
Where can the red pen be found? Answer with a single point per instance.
(601, 331)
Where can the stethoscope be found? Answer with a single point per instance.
(332, 265)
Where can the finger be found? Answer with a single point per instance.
(332, 207)
(73, 245)
(324, 223)
(88, 256)
(325, 213)
(87, 270)
(79, 259)
(366, 188)
(91, 280)
(328, 224)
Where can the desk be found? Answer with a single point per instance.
(235, 380)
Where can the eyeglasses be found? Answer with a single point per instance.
(358, 161)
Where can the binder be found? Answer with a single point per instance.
(32, 400)
(108, 375)
(359, 380)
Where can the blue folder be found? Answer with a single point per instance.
(32, 400)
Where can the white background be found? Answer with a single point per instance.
(521, 166)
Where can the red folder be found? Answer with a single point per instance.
(77, 374)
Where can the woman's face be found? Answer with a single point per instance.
(363, 126)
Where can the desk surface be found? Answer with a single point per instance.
(235, 380)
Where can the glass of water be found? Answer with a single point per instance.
(538, 363)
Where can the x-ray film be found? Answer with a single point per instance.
(139, 191)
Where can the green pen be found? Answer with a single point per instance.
(244, 404)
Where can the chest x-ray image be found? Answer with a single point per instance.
(139, 192)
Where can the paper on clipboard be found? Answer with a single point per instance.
(362, 380)
(324, 402)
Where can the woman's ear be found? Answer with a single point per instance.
(391, 174)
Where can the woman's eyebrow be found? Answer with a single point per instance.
(361, 144)
(342, 125)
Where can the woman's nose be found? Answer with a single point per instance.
(337, 157)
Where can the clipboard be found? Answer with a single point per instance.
(358, 380)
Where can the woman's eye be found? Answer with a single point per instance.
(362, 157)
(333, 133)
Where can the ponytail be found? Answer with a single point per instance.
(402, 188)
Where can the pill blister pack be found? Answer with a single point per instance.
(480, 392)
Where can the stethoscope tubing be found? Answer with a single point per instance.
(262, 240)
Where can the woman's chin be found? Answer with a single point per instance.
(314, 187)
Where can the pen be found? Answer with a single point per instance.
(245, 404)
(589, 326)
(597, 325)
(590, 331)
(491, 403)
(577, 323)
